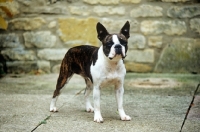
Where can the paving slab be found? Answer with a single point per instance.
(156, 103)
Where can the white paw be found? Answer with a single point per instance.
(53, 109)
(98, 118)
(90, 109)
(126, 118)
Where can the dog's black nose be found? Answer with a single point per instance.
(118, 49)
(118, 46)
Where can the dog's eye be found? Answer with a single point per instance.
(124, 43)
(109, 44)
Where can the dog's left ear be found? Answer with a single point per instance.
(125, 30)
(101, 31)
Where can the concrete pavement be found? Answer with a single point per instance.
(156, 103)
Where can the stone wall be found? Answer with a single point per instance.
(165, 35)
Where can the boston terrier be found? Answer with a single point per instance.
(99, 66)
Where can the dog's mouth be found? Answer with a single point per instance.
(120, 55)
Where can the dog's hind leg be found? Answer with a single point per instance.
(88, 90)
(62, 80)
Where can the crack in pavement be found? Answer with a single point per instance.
(48, 117)
(191, 104)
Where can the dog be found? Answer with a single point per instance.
(99, 66)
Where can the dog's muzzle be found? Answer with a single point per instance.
(118, 49)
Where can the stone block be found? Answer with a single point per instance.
(180, 56)
(56, 68)
(155, 41)
(80, 10)
(140, 56)
(138, 67)
(195, 24)
(45, 9)
(41, 39)
(136, 41)
(52, 24)
(26, 23)
(146, 11)
(72, 29)
(184, 11)
(19, 54)
(9, 40)
(109, 10)
(130, 1)
(28, 66)
(13, 7)
(113, 25)
(52, 54)
(44, 66)
(74, 43)
(104, 2)
(172, 27)
(21, 66)
(33, 2)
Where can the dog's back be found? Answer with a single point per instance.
(79, 59)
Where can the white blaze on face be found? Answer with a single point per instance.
(112, 50)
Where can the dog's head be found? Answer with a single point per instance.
(114, 45)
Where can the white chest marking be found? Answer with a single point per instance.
(106, 72)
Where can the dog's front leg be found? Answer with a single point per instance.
(96, 97)
(119, 89)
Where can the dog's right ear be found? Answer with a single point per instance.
(101, 31)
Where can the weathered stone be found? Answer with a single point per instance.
(141, 56)
(80, 10)
(13, 7)
(131, 1)
(28, 66)
(72, 29)
(113, 25)
(138, 67)
(146, 11)
(155, 41)
(109, 10)
(173, 27)
(184, 11)
(19, 54)
(26, 23)
(33, 2)
(44, 66)
(45, 9)
(104, 2)
(175, 0)
(52, 54)
(21, 66)
(41, 39)
(73, 43)
(52, 24)
(195, 24)
(180, 56)
(56, 68)
(136, 41)
(9, 40)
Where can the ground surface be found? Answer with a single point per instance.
(156, 103)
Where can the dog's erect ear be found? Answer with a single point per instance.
(125, 30)
(101, 31)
